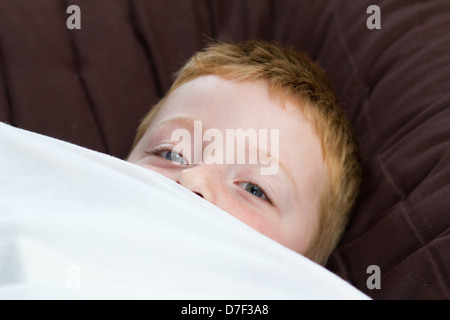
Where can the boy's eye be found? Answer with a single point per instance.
(255, 190)
(174, 157)
(168, 154)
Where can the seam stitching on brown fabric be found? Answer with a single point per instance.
(366, 100)
(145, 47)
(84, 86)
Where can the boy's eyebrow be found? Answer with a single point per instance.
(180, 122)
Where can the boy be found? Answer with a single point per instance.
(255, 90)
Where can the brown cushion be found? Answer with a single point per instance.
(91, 87)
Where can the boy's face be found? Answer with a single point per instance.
(282, 203)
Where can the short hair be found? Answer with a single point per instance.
(294, 77)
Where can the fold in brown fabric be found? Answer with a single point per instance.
(92, 86)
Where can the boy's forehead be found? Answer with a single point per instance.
(230, 104)
(222, 102)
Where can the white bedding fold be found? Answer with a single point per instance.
(75, 223)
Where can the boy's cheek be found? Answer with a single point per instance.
(256, 220)
(272, 227)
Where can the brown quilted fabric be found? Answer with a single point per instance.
(92, 86)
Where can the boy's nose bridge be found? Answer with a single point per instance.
(203, 179)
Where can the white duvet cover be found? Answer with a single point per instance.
(78, 224)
